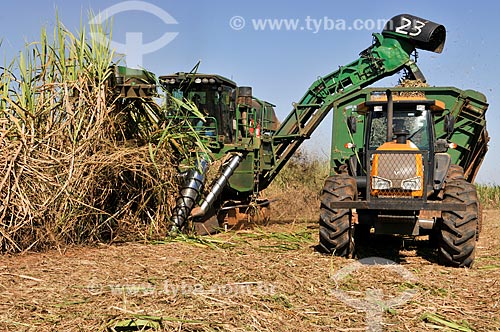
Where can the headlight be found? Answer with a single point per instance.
(379, 183)
(412, 184)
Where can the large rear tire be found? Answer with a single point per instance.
(455, 172)
(335, 225)
(458, 229)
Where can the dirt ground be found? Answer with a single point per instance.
(267, 279)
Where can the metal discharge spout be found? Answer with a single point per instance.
(218, 186)
(189, 193)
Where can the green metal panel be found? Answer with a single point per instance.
(344, 108)
(243, 178)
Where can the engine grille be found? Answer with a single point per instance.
(397, 174)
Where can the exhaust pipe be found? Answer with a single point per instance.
(218, 187)
(189, 194)
(390, 115)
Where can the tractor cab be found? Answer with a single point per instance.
(411, 120)
(401, 150)
(412, 125)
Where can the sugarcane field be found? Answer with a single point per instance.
(183, 184)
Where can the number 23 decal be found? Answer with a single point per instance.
(407, 28)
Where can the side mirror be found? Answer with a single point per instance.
(449, 123)
(352, 123)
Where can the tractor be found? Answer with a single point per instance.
(400, 177)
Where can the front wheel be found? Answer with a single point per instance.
(458, 229)
(335, 225)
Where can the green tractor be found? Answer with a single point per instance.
(393, 168)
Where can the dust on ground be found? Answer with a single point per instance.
(265, 279)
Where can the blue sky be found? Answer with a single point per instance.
(281, 65)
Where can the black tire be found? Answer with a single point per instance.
(335, 225)
(458, 229)
(455, 172)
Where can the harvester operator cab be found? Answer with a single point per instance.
(213, 97)
(230, 113)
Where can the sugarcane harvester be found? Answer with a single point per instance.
(402, 159)
(234, 123)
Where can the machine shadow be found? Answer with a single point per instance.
(396, 249)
